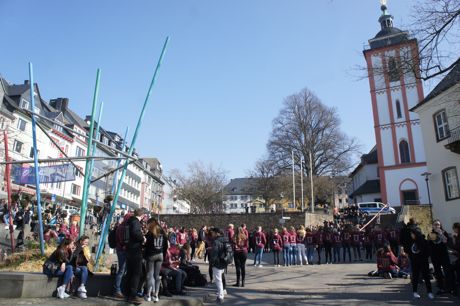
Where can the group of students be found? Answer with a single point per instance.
(415, 254)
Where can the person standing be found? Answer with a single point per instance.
(293, 249)
(240, 244)
(337, 245)
(121, 255)
(276, 246)
(301, 254)
(156, 246)
(455, 249)
(134, 255)
(438, 239)
(419, 253)
(286, 247)
(309, 244)
(259, 241)
(217, 259)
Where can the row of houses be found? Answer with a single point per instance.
(143, 185)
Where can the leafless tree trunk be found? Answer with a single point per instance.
(306, 125)
(267, 181)
(202, 186)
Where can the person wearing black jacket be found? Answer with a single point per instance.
(419, 252)
(215, 260)
(156, 246)
(438, 239)
(134, 256)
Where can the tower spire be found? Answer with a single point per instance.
(386, 20)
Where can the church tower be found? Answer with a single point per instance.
(395, 87)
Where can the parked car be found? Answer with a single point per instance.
(372, 208)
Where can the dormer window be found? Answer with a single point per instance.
(25, 104)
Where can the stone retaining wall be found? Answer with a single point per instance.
(421, 213)
(266, 220)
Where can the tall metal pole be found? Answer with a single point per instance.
(301, 182)
(36, 170)
(106, 222)
(87, 178)
(311, 183)
(293, 179)
(133, 141)
(8, 190)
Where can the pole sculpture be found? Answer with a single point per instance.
(8, 190)
(87, 178)
(36, 170)
(133, 141)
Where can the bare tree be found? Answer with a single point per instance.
(436, 23)
(267, 181)
(305, 125)
(202, 187)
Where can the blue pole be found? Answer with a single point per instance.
(105, 224)
(136, 131)
(93, 150)
(36, 170)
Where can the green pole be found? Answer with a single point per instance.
(133, 141)
(87, 178)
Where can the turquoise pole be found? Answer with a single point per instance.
(36, 170)
(133, 141)
(87, 178)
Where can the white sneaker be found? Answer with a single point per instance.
(82, 295)
(148, 298)
(260, 266)
(61, 292)
(225, 292)
(155, 299)
(431, 296)
(82, 289)
(416, 295)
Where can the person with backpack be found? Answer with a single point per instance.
(156, 246)
(240, 243)
(259, 241)
(120, 247)
(220, 256)
(134, 239)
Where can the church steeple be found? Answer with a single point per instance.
(386, 20)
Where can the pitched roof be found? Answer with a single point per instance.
(369, 158)
(371, 186)
(452, 78)
(241, 186)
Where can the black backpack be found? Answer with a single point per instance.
(226, 255)
(126, 234)
(113, 238)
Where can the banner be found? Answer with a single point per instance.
(49, 174)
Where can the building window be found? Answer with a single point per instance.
(22, 124)
(31, 154)
(451, 183)
(75, 189)
(24, 104)
(441, 125)
(404, 152)
(393, 70)
(17, 146)
(57, 128)
(79, 152)
(398, 109)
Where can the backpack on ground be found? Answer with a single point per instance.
(112, 238)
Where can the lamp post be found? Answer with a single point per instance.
(301, 182)
(427, 177)
(293, 179)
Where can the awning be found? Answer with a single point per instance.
(23, 189)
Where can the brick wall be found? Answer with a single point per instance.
(266, 220)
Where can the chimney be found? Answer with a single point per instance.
(60, 104)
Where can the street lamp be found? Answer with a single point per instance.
(427, 175)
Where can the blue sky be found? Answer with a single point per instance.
(228, 67)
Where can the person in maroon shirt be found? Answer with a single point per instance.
(293, 242)
(230, 232)
(259, 240)
(356, 235)
(328, 240)
(367, 244)
(392, 235)
(337, 245)
(286, 247)
(346, 238)
(277, 246)
(319, 242)
(386, 262)
(240, 246)
(309, 244)
(379, 237)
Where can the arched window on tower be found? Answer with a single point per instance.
(404, 152)
(398, 109)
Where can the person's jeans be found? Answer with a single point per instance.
(68, 273)
(276, 257)
(346, 249)
(258, 256)
(310, 252)
(121, 255)
(337, 254)
(153, 273)
(240, 265)
(357, 252)
(293, 254)
(287, 255)
(217, 275)
(301, 255)
(179, 278)
(82, 272)
(133, 271)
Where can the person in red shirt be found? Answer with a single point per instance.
(240, 246)
(74, 231)
(328, 240)
(356, 242)
(378, 237)
(277, 246)
(259, 241)
(319, 242)
(309, 244)
(193, 242)
(230, 232)
(182, 237)
(337, 245)
(392, 235)
(368, 244)
(346, 238)
(386, 262)
(293, 242)
(286, 247)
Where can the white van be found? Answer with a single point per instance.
(372, 208)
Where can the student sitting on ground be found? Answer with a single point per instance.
(170, 268)
(403, 263)
(386, 262)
